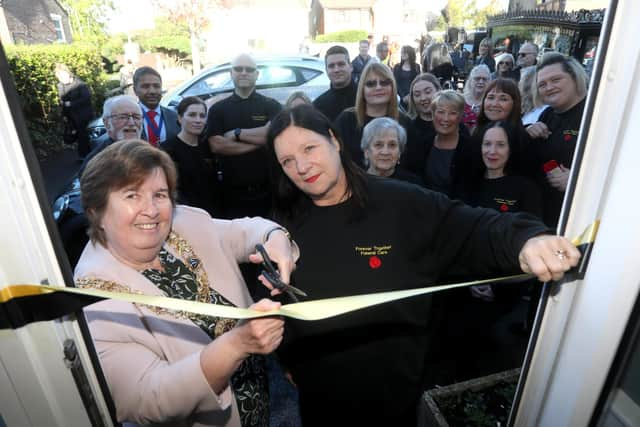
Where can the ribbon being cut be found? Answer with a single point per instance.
(23, 304)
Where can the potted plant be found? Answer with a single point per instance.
(480, 402)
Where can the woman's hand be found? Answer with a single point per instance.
(548, 257)
(262, 335)
(222, 357)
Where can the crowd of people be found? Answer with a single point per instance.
(389, 180)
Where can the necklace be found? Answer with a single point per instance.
(186, 253)
(192, 261)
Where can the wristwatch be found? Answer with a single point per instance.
(236, 133)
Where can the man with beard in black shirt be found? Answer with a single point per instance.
(342, 93)
(562, 84)
(236, 131)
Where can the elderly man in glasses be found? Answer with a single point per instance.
(237, 131)
(527, 57)
(160, 124)
(122, 117)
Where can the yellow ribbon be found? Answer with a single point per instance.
(308, 310)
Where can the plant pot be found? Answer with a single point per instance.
(483, 401)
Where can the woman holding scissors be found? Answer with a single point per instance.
(362, 234)
(166, 367)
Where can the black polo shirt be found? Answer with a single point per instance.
(334, 101)
(248, 169)
(559, 146)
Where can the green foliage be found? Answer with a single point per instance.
(167, 37)
(345, 36)
(32, 67)
(465, 13)
(113, 46)
(89, 19)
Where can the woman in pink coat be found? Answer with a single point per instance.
(164, 366)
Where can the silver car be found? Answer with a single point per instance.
(278, 78)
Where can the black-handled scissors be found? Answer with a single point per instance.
(271, 274)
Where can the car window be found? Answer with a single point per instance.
(213, 82)
(308, 74)
(275, 75)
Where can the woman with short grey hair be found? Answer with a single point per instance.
(383, 142)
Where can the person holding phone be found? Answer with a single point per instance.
(562, 84)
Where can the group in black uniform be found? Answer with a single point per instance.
(361, 234)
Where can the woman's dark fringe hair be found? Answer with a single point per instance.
(290, 204)
(513, 165)
(508, 86)
(515, 150)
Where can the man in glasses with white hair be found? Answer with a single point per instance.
(236, 132)
(122, 117)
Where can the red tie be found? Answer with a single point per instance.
(151, 126)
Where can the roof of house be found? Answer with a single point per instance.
(347, 4)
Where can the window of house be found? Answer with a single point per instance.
(57, 24)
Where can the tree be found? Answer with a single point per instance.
(89, 18)
(465, 13)
(193, 14)
(167, 37)
(480, 18)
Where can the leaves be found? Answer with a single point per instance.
(465, 13)
(342, 36)
(89, 18)
(32, 68)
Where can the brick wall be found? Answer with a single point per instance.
(30, 21)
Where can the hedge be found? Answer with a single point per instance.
(345, 36)
(32, 67)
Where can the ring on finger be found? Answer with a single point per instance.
(561, 254)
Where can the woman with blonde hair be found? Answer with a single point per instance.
(532, 106)
(423, 89)
(485, 54)
(377, 96)
(449, 154)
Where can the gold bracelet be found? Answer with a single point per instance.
(284, 230)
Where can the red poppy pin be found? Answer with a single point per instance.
(504, 208)
(375, 262)
(567, 137)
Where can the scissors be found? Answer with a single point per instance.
(271, 274)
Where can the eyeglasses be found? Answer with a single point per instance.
(510, 64)
(125, 117)
(521, 54)
(373, 83)
(240, 68)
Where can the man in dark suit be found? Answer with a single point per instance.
(159, 123)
